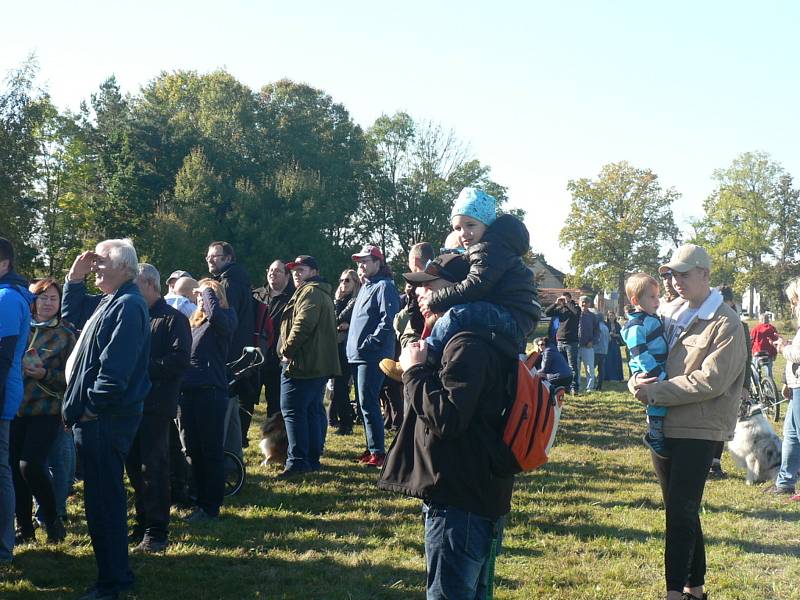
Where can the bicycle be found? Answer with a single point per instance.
(763, 387)
(235, 473)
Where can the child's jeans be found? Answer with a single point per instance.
(656, 411)
(485, 315)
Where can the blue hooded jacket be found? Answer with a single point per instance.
(15, 320)
(370, 337)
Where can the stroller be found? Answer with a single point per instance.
(235, 475)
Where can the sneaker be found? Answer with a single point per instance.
(365, 458)
(343, 431)
(657, 447)
(150, 545)
(289, 473)
(199, 516)
(376, 460)
(392, 369)
(56, 532)
(795, 498)
(688, 596)
(775, 490)
(716, 472)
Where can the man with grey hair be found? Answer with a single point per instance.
(148, 460)
(107, 382)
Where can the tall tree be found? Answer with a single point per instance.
(22, 111)
(739, 224)
(617, 225)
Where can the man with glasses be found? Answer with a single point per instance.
(371, 339)
(222, 265)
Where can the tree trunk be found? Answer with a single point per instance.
(621, 301)
(752, 300)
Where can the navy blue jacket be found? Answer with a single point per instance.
(553, 364)
(110, 371)
(371, 338)
(211, 341)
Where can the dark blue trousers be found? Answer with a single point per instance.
(103, 445)
(306, 423)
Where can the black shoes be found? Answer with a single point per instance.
(150, 545)
(56, 532)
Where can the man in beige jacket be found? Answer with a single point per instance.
(705, 374)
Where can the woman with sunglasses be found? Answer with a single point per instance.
(340, 412)
(38, 427)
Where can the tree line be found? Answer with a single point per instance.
(194, 157)
(622, 222)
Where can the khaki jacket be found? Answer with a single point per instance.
(308, 332)
(705, 370)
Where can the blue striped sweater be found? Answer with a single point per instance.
(644, 336)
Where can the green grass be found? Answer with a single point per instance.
(589, 525)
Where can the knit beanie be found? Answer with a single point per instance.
(475, 203)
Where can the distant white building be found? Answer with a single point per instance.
(755, 310)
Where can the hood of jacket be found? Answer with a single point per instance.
(509, 231)
(12, 279)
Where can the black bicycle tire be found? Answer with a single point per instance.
(233, 488)
(770, 397)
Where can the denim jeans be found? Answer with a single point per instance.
(482, 314)
(457, 552)
(7, 500)
(62, 468)
(368, 379)
(103, 443)
(586, 361)
(790, 454)
(61, 462)
(306, 423)
(570, 352)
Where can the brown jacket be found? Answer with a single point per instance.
(705, 370)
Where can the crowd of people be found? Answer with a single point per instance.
(133, 381)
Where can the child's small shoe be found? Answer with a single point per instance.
(658, 446)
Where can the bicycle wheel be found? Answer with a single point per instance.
(770, 398)
(235, 474)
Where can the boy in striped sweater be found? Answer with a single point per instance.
(643, 334)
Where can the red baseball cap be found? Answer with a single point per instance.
(369, 251)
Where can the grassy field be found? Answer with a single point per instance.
(589, 525)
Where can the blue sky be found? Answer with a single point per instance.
(543, 92)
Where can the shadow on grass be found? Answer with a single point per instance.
(200, 576)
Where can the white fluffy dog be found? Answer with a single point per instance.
(756, 447)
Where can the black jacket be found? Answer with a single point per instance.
(449, 449)
(236, 282)
(211, 341)
(497, 274)
(170, 347)
(275, 306)
(569, 316)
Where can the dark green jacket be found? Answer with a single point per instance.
(308, 332)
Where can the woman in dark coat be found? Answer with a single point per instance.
(340, 412)
(614, 357)
(204, 396)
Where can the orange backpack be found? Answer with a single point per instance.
(533, 416)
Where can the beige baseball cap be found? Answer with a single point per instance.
(685, 258)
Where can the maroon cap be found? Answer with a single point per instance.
(305, 260)
(369, 251)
